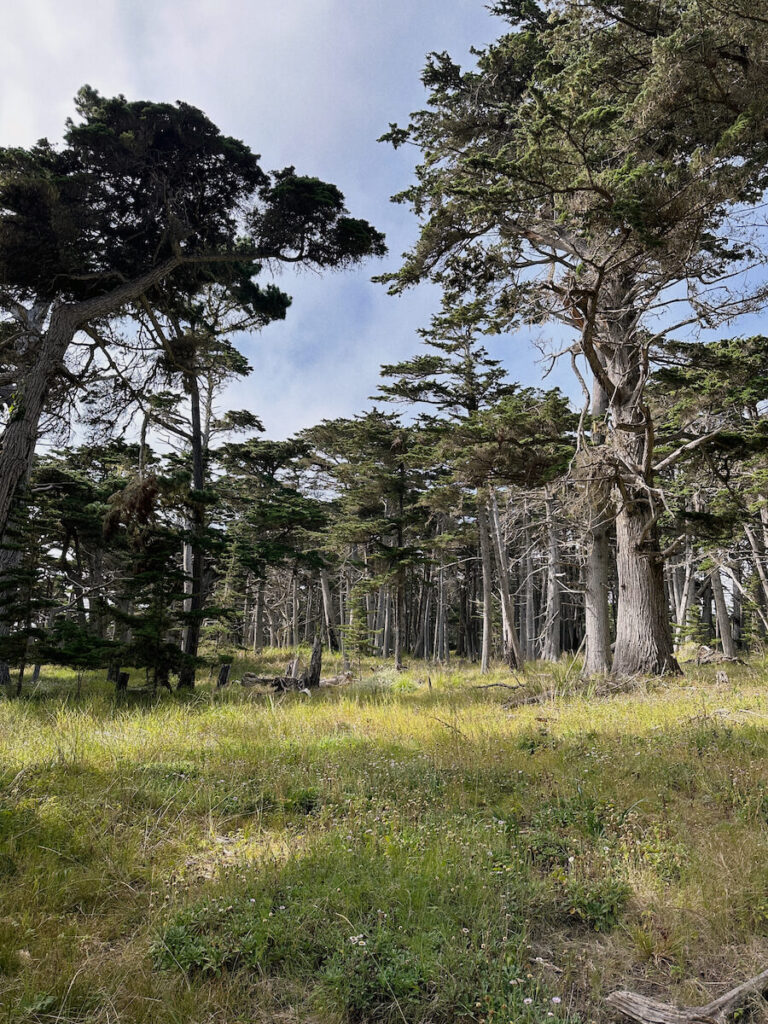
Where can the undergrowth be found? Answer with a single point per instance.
(411, 847)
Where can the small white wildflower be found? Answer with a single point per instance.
(556, 1000)
(528, 1001)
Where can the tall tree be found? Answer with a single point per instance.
(459, 379)
(137, 192)
(366, 459)
(590, 175)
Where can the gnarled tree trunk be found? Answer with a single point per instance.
(643, 634)
(643, 631)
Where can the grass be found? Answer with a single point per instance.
(409, 848)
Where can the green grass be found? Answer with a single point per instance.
(408, 848)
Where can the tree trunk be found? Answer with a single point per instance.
(512, 650)
(529, 638)
(311, 677)
(485, 556)
(597, 566)
(399, 622)
(706, 609)
(197, 529)
(551, 648)
(386, 640)
(20, 434)
(686, 597)
(470, 616)
(441, 649)
(330, 632)
(378, 629)
(10, 560)
(738, 606)
(643, 632)
(421, 647)
(245, 636)
(723, 618)
(295, 639)
(643, 635)
(258, 622)
(757, 559)
(597, 618)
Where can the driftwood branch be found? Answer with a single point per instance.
(649, 1011)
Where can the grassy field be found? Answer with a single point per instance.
(408, 848)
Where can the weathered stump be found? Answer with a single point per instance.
(311, 677)
(308, 680)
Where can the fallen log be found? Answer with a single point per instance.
(340, 680)
(276, 682)
(649, 1011)
(709, 656)
(307, 681)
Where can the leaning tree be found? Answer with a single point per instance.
(137, 192)
(601, 167)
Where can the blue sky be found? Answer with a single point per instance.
(312, 83)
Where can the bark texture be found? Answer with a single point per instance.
(643, 636)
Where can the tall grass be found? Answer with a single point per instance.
(411, 847)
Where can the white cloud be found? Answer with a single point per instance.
(307, 82)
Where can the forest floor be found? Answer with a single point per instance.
(409, 848)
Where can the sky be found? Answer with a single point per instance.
(310, 83)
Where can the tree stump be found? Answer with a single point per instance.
(291, 681)
(311, 677)
(223, 679)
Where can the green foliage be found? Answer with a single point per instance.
(137, 179)
(391, 859)
(597, 901)
(357, 638)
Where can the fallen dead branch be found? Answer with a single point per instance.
(503, 686)
(649, 1011)
(709, 656)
